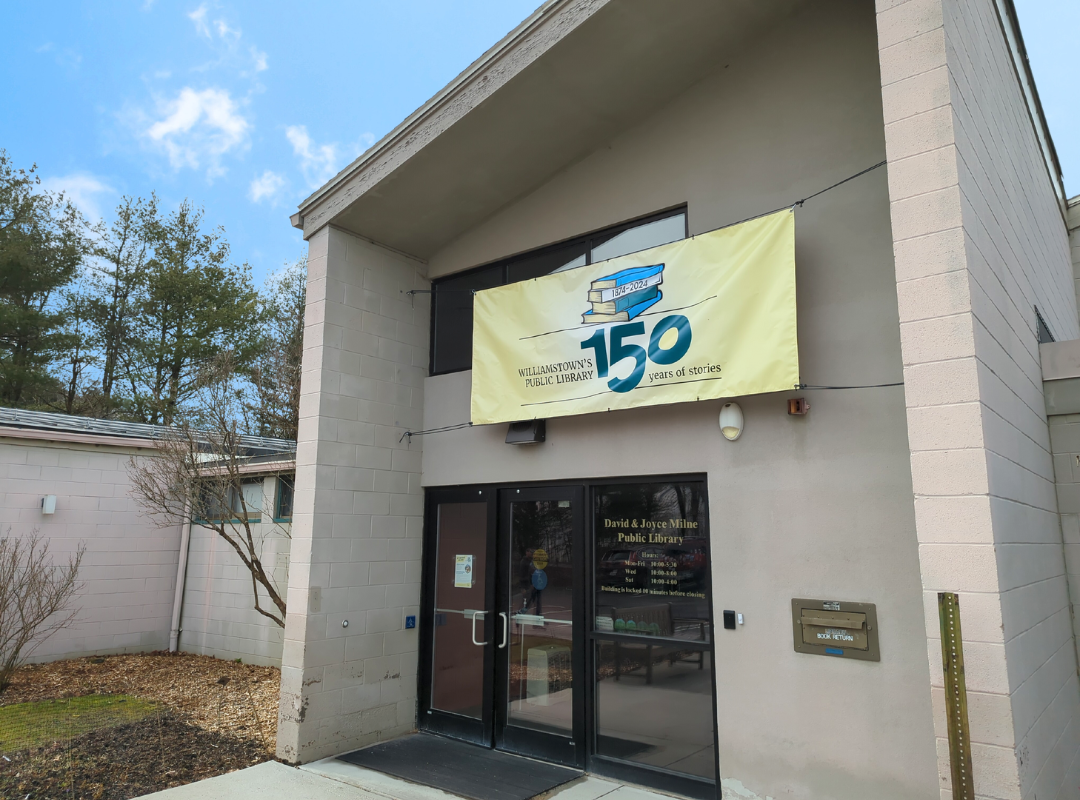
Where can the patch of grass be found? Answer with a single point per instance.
(126, 761)
(30, 725)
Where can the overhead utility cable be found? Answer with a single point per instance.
(866, 386)
(457, 427)
(797, 202)
(711, 230)
(841, 183)
(463, 425)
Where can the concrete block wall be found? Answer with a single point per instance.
(129, 570)
(1018, 259)
(358, 506)
(1065, 442)
(979, 242)
(218, 616)
(1072, 218)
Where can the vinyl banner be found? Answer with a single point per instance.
(699, 319)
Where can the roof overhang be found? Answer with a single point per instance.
(21, 423)
(253, 468)
(569, 78)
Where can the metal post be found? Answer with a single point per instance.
(952, 661)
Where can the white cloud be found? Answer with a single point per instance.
(224, 31)
(67, 58)
(82, 189)
(226, 40)
(198, 16)
(199, 127)
(317, 162)
(364, 143)
(259, 58)
(320, 163)
(266, 185)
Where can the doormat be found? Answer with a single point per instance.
(463, 769)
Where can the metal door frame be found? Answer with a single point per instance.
(664, 780)
(522, 741)
(444, 722)
(584, 724)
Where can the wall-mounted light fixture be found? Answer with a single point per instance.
(731, 421)
(48, 504)
(532, 431)
(798, 407)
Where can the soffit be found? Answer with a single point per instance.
(621, 61)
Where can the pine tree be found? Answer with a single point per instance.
(42, 247)
(192, 306)
(276, 375)
(123, 250)
(78, 395)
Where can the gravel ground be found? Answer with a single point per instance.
(216, 716)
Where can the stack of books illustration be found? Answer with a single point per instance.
(623, 295)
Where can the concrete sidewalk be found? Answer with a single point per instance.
(331, 779)
(267, 781)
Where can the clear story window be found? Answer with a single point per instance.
(284, 504)
(218, 502)
(452, 297)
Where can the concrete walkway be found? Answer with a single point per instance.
(331, 779)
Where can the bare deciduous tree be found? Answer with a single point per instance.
(199, 473)
(35, 598)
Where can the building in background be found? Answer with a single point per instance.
(131, 567)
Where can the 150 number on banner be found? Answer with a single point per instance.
(609, 350)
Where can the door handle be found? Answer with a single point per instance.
(506, 627)
(478, 644)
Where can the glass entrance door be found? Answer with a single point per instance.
(577, 634)
(539, 663)
(503, 651)
(457, 656)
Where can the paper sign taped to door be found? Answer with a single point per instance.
(463, 574)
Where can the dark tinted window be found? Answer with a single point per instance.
(284, 498)
(452, 302)
(1042, 331)
(652, 634)
(547, 261)
(652, 554)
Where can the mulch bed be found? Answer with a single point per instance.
(215, 717)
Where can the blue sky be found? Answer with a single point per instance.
(1051, 30)
(245, 108)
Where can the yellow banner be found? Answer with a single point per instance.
(699, 319)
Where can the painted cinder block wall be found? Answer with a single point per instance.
(1065, 440)
(130, 567)
(218, 618)
(358, 506)
(817, 506)
(976, 248)
(1072, 218)
(129, 570)
(979, 241)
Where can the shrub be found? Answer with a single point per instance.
(35, 598)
